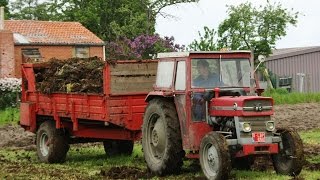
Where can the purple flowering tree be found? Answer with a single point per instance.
(141, 47)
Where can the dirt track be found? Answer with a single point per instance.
(303, 116)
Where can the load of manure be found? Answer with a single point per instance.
(83, 75)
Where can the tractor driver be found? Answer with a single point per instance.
(205, 79)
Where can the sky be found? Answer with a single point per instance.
(192, 17)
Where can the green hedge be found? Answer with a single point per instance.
(8, 99)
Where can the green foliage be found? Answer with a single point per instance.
(248, 28)
(207, 41)
(9, 115)
(255, 28)
(281, 96)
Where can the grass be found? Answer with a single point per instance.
(89, 162)
(9, 115)
(311, 137)
(281, 96)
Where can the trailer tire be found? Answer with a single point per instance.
(161, 137)
(290, 159)
(52, 144)
(215, 157)
(118, 147)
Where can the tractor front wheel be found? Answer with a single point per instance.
(214, 156)
(161, 137)
(118, 147)
(52, 144)
(290, 159)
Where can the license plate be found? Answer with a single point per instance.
(259, 137)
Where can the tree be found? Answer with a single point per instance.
(155, 7)
(256, 29)
(207, 41)
(111, 20)
(141, 47)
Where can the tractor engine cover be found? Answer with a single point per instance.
(230, 106)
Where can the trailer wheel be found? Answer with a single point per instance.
(290, 159)
(118, 147)
(214, 156)
(161, 137)
(243, 163)
(52, 144)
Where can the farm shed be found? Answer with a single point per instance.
(302, 64)
(37, 41)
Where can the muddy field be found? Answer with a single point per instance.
(301, 116)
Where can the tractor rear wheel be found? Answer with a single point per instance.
(118, 147)
(214, 156)
(52, 144)
(290, 159)
(161, 137)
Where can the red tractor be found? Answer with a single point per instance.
(206, 105)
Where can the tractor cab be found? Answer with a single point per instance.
(206, 105)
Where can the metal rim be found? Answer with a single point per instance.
(156, 140)
(44, 140)
(211, 160)
(285, 155)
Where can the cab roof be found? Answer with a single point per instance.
(186, 54)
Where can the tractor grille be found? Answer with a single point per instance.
(258, 124)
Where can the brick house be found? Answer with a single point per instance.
(38, 41)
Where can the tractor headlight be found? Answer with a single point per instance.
(270, 126)
(246, 126)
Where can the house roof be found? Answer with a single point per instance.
(289, 52)
(51, 33)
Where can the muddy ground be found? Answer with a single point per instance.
(300, 116)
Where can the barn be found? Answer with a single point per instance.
(302, 64)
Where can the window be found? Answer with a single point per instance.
(165, 74)
(81, 52)
(181, 76)
(31, 55)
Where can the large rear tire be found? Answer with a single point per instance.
(290, 159)
(118, 147)
(214, 156)
(161, 137)
(52, 144)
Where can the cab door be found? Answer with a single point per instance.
(180, 99)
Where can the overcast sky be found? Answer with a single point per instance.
(192, 17)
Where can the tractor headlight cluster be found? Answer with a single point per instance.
(270, 126)
(246, 126)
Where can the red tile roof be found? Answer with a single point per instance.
(51, 32)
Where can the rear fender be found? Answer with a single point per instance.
(154, 94)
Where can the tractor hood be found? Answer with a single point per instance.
(241, 106)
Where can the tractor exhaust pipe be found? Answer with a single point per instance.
(252, 80)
